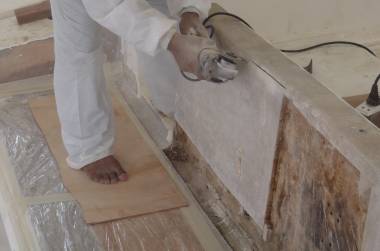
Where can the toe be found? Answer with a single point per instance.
(105, 179)
(106, 171)
(95, 178)
(123, 176)
(114, 178)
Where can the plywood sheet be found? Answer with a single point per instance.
(149, 188)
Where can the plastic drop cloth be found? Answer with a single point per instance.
(35, 168)
(57, 226)
(60, 225)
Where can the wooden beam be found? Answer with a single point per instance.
(27, 86)
(33, 13)
(27, 61)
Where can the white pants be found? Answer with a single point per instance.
(83, 104)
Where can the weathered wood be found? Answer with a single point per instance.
(33, 13)
(315, 200)
(224, 210)
(27, 61)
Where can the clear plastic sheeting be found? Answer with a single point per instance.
(60, 226)
(160, 231)
(35, 168)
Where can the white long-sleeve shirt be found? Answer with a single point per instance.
(138, 23)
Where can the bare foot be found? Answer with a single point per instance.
(106, 171)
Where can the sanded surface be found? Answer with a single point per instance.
(148, 190)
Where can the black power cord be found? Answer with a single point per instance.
(331, 43)
(373, 98)
(283, 50)
(226, 14)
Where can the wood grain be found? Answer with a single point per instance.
(33, 13)
(149, 189)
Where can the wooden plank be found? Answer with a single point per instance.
(13, 35)
(27, 61)
(33, 13)
(315, 191)
(27, 86)
(148, 190)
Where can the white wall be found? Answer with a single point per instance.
(278, 20)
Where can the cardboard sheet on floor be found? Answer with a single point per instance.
(149, 189)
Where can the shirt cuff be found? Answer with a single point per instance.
(165, 40)
(190, 9)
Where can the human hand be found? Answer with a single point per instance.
(191, 24)
(186, 51)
